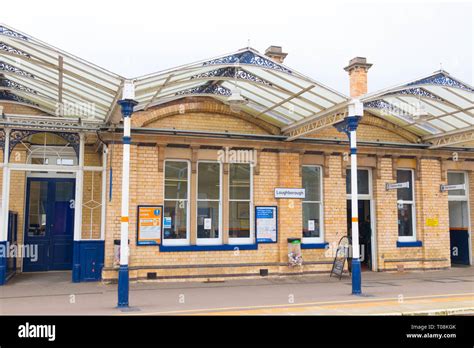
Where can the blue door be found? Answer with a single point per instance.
(49, 224)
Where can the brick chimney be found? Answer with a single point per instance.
(357, 70)
(276, 54)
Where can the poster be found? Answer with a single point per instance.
(266, 224)
(149, 224)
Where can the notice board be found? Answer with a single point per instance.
(266, 224)
(149, 221)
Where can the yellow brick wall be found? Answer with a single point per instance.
(207, 122)
(13, 108)
(364, 133)
(430, 203)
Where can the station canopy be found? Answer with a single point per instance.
(272, 91)
(438, 108)
(37, 74)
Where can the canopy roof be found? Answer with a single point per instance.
(438, 107)
(274, 92)
(40, 75)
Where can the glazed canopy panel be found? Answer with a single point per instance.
(437, 107)
(273, 91)
(37, 74)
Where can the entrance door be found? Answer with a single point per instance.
(49, 224)
(366, 225)
(459, 218)
(365, 231)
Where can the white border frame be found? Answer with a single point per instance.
(209, 241)
(252, 238)
(320, 239)
(464, 198)
(373, 218)
(181, 241)
(413, 209)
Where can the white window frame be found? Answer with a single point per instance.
(174, 242)
(362, 196)
(462, 198)
(209, 241)
(320, 239)
(413, 209)
(251, 239)
(51, 154)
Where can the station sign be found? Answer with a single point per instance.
(445, 188)
(398, 185)
(290, 193)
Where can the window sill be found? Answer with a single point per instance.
(171, 248)
(314, 245)
(413, 244)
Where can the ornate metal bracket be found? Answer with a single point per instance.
(348, 124)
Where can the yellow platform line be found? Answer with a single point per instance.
(288, 309)
(337, 303)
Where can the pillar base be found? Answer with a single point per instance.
(123, 283)
(356, 277)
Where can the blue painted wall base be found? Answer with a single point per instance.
(88, 260)
(3, 262)
(356, 277)
(123, 282)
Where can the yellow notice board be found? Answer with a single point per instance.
(149, 221)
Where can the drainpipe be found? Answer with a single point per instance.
(127, 103)
(349, 126)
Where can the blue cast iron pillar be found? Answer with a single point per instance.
(127, 104)
(349, 126)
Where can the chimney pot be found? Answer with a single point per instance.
(276, 54)
(357, 70)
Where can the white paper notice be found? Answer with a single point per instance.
(207, 223)
(310, 225)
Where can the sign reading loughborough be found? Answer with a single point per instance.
(290, 193)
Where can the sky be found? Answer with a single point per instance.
(404, 40)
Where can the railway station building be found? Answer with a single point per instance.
(230, 158)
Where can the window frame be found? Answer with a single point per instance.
(320, 239)
(413, 209)
(251, 238)
(209, 241)
(464, 197)
(174, 242)
(461, 198)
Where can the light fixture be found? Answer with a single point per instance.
(420, 113)
(235, 100)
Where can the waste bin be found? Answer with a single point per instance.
(294, 252)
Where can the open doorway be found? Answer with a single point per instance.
(459, 219)
(366, 217)
(365, 232)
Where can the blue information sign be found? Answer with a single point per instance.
(266, 224)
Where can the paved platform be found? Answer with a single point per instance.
(431, 292)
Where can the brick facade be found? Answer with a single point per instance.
(279, 165)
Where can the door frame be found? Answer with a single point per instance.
(29, 179)
(469, 224)
(373, 225)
